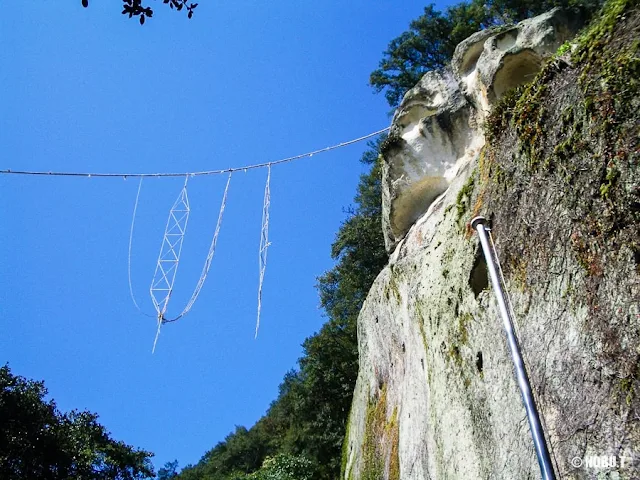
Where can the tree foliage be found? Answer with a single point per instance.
(39, 441)
(169, 471)
(284, 467)
(432, 38)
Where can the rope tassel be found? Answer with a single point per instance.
(133, 222)
(264, 243)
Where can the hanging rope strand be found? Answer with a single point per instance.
(194, 174)
(155, 340)
(264, 243)
(207, 263)
(133, 221)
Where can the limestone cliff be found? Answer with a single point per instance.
(554, 165)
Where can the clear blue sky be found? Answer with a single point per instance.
(241, 83)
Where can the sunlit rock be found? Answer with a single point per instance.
(438, 126)
(436, 395)
(491, 62)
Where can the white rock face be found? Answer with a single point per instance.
(437, 128)
(431, 342)
(437, 349)
(436, 396)
(490, 63)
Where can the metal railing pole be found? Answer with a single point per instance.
(544, 459)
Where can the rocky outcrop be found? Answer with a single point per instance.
(436, 397)
(438, 126)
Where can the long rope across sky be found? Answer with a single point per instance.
(194, 174)
(164, 276)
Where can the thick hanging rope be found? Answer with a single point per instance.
(207, 263)
(194, 174)
(169, 257)
(264, 242)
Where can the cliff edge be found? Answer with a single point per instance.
(542, 138)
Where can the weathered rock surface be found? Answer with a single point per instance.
(436, 396)
(438, 125)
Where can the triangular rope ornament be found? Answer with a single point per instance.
(169, 257)
(264, 243)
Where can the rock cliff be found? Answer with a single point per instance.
(554, 165)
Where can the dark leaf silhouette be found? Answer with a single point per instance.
(134, 8)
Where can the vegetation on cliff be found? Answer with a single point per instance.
(591, 91)
(573, 135)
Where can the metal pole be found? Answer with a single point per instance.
(544, 459)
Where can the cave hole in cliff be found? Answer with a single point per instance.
(517, 69)
(479, 278)
(471, 56)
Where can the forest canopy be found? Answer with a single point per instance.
(37, 440)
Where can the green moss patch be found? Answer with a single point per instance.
(380, 448)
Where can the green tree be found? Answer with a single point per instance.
(169, 471)
(39, 441)
(329, 366)
(284, 467)
(358, 247)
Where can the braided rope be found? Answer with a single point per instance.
(194, 174)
